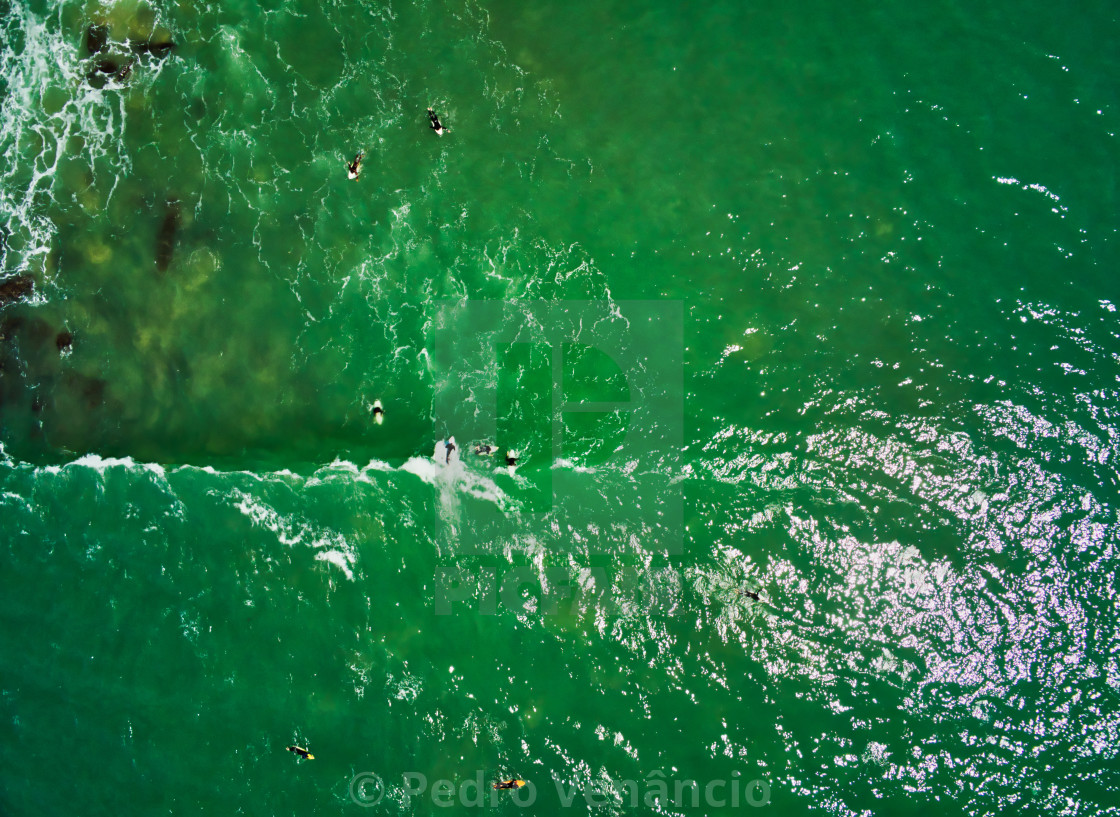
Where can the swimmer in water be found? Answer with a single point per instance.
(355, 167)
(436, 125)
(299, 750)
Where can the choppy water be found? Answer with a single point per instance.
(839, 282)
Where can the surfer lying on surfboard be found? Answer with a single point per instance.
(435, 124)
(354, 168)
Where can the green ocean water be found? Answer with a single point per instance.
(801, 319)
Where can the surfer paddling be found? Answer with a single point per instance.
(436, 125)
(509, 784)
(378, 412)
(299, 750)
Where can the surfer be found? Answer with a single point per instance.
(484, 449)
(512, 457)
(378, 412)
(509, 784)
(449, 446)
(355, 167)
(436, 125)
(299, 750)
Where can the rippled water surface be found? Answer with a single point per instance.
(800, 320)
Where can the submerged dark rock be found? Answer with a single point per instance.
(115, 65)
(165, 242)
(35, 335)
(32, 342)
(9, 327)
(80, 391)
(97, 37)
(107, 65)
(92, 390)
(42, 397)
(13, 289)
(158, 50)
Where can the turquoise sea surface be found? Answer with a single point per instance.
(800, 320)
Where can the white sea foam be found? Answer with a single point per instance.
(343, 559)
(338, 469)
(562, 464)
(422, 467)
(453, 482)
(102, 464)
(33, 141)
(331, 546)
(9, 499)
(454, 478)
